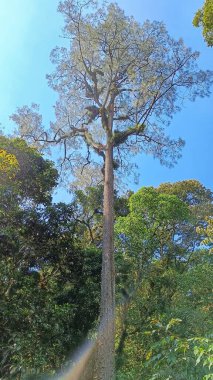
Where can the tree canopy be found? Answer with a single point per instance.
(204, 18)
(46, 272)
(164, 284)
(114, 62)
(33, 176)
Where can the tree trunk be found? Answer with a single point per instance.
(106, 339)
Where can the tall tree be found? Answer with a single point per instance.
(204, 18)
(119, 84)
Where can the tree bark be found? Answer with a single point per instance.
(106, 338)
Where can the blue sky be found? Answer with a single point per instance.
(29, 29)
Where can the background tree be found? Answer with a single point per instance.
(45, 277)
(199, 200)
(35, 177)
(28, 181)
(206, 232)
(89, 212)
(8, 165)
(119, 83)
(46, 273)
(165, 311)
(204, 18)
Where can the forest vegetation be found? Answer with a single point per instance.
(129, 271)
(51, 269)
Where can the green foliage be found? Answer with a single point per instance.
(207, 232)
(45, 282)
(45, 315)
(8, 165)
(192, 192)
(204, 18)
(150, 230)
(165, 281)
(50, 276)
(50, 284)
(36, 176)
(167, 312)
(88, 213)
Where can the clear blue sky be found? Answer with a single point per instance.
(29, 29)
